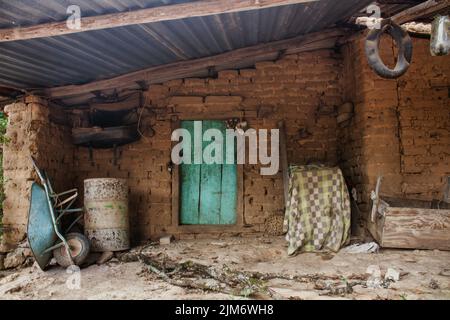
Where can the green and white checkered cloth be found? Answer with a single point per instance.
(317, 214)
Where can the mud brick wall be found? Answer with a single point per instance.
(31, 133)
(424, 112)
(369, 145)
(400, 128)
(301, 89)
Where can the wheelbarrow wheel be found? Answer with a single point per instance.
(79, 250)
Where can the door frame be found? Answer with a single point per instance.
(176, 226)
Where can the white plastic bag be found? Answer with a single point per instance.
(440, 36)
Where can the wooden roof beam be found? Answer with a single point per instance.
(157, 14)
(187, 68)
(424, 9)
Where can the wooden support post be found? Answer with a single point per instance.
(446, 196)
(284, 160)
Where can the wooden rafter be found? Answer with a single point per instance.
(424, 9)
(149, 15)
(182, 69)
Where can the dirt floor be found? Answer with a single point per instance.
(259, 268)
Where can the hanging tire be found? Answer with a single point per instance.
(79, 250)
(404, 45)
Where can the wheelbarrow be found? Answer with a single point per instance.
(44, 231)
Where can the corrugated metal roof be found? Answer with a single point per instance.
(83, 57)
(20, 13)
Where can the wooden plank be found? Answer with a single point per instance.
(182, 69)
(424, 9)
(414, 203)
(229, 194)
(410, 228)
(229, 186)
(142, 16)
(283, 160)
(210, 186)
(176, 199)
(190, 185)
(446, 195)
(420, 29)
(210, 229)
(128, 102)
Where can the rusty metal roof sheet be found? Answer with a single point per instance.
(87, 56)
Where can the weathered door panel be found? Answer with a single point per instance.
(208, 192)
(190, 184)
(229, 194)
(210, 185)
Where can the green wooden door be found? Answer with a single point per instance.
(208, 192)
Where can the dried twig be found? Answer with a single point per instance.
(193, 275)
(206, 278)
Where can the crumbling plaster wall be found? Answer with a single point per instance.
(31, 133)
(401, 128)
(302, 89)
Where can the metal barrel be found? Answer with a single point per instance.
(106, 220)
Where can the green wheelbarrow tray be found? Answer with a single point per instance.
(41, 233)
(44, 219)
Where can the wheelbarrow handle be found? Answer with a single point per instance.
(38, 171)
(48, 191)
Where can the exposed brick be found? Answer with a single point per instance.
(233, 100)
(32, 134)
(400, 130)
(186, 101)
(228, 74)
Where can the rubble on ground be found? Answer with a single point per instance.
(105, 257)
(166, 240)
(22, 256)
(227, 280)
(239, 268)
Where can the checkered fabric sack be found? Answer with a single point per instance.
(317, 214)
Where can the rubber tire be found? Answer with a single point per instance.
(83, 250)
(405, 49)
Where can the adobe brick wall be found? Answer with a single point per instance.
(401, 127)
(301, 89)
(400, 130)
(30, 133)
(424, 111)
